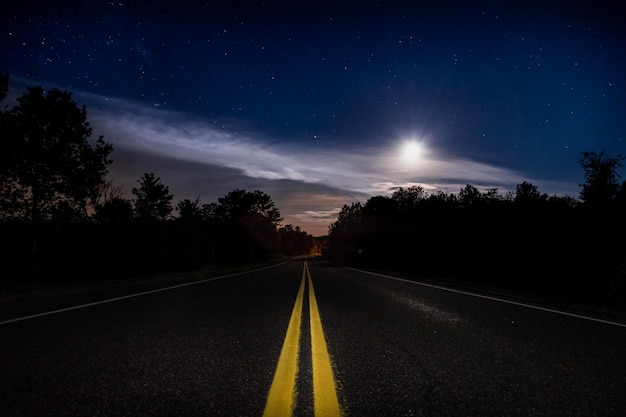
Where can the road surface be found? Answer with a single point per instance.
(307, 338)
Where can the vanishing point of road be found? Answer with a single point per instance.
(306, 338)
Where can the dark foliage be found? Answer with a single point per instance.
(47, 165)
(49, 170)
(524, 241)
(4, 85)
(247, 223)
(601, 185)
(54, 197)
(117, 243)
(152, 198)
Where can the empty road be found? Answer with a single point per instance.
(306, 338)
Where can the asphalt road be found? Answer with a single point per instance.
(394, 348)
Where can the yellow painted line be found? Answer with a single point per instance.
(325, 403)
(281, 398)
(282, 395)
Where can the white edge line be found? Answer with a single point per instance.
(502, 300)
(139, 294)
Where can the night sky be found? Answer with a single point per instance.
(315, 104)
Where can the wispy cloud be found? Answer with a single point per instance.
(309, 182)
(179, 136)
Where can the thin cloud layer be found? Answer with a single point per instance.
(310, 183)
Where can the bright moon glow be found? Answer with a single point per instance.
(411, 150)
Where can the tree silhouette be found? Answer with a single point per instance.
(294, 241)
(601, 178)
(469, 196)
(378, 207)
(48, 169)
(345, 232)
(241, 203)
(249, 223)
(189, 211)
(527, 197)
(526, 193)
(620, 197)
(4, 85)
(408, 198)
(46, 160)
(348, 219)
(114, 210)
(153, 198)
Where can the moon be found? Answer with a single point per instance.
(411, 150)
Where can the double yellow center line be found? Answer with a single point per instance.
(281, 398)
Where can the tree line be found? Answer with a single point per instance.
(523, 240)
(59, 215)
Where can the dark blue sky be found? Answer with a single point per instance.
(313, 104)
